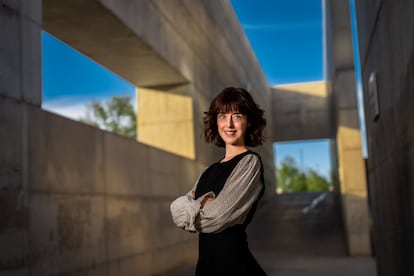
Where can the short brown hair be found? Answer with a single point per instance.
(235, 99)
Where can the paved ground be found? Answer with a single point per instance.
(289, 240)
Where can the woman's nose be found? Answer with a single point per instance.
(230, 122)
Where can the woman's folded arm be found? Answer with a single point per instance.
(231, 206)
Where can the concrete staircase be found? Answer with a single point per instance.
(301, 234)
(299, 224)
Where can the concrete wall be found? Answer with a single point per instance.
(100, 202)
(20, 89)
(386, 41)
(79, 201)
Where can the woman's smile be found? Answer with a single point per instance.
(230, 132)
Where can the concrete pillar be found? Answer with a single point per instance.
(20, 88)
(20, 50)
(351, 167)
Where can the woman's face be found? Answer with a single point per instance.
(232, 128)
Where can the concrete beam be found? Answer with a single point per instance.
(301, 111)
(94, 30)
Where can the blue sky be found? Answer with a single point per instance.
(70, 79)
(69, 74)
(286, 36)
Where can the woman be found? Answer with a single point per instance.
(224, 198)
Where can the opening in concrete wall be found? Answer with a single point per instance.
(76, 87)
(303, 166)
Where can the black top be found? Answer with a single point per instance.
(226, 252)
(215, 176)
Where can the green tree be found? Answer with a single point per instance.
(316, 182)
(292, 179)
(289, 177)
(115, 115)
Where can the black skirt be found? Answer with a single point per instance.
(226, 254)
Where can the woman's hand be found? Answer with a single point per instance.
(206, 200)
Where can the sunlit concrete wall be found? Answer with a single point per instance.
(386, 42)
(166, 121)
(76, 200)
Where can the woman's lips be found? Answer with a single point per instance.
(230, 133)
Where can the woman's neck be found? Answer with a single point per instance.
(232, 151)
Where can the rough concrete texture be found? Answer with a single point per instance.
(386, 47)
(19, 70)
(20, 77)
(14, 211)
(98, 199)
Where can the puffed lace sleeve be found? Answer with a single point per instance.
(243, 187)
(185, 209)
